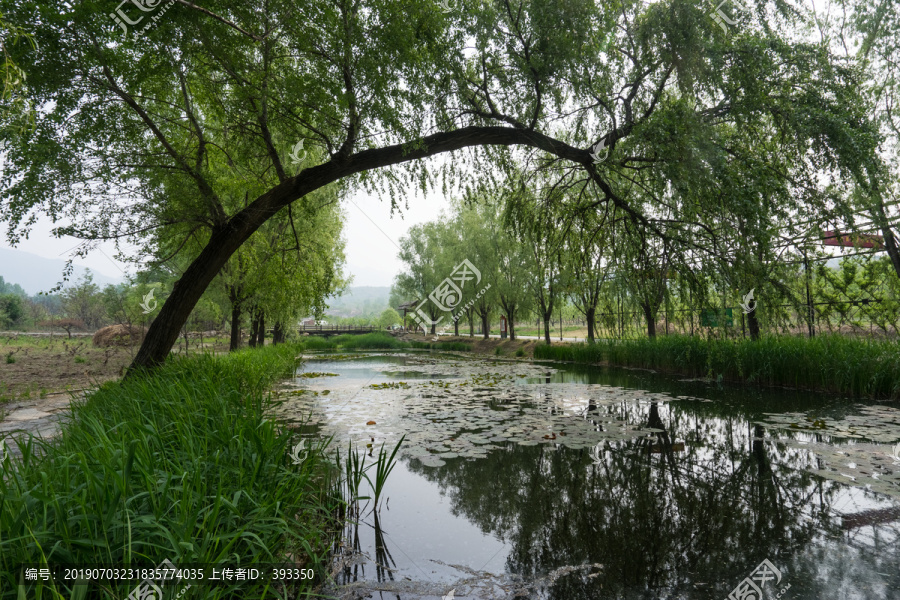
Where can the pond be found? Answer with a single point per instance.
(550, 481)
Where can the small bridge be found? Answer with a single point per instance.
(329, 330)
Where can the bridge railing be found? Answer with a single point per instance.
(339, 328)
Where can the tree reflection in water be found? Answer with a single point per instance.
(667, 519)
(684, 511)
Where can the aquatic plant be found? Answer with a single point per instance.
(384, 464)
(355, 471)
(390, 385)
(833, 363)
(185, 464)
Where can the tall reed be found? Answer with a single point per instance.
(183, 464)
(355, 471)
(384, 464)
(831, 363)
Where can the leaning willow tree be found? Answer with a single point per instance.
(665, 94)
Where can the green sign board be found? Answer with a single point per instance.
(709, 317)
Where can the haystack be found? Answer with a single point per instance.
(119, 335)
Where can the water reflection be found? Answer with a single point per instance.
(666, 519)
(687, 511)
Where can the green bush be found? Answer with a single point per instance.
(376, 341)
(182, 464)
(318, 343)
(832, 363)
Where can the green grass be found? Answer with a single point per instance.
(376, 341)
(318, 343)
(831, 363)
(182, 464)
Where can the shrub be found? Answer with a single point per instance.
(376, 340)
(66, 324)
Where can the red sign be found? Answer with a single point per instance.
(857, 240)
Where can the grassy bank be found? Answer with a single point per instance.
(376, 341)
(836, 364)
(180, 465)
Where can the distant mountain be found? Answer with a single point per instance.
(38, 274)
(360, 301)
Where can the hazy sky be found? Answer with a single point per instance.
(371, 250)
(370, 232)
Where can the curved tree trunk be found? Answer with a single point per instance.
(890, 240)
(546, 317)
(227, 237)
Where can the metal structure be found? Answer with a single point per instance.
(329, 330)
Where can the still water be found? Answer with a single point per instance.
(552, 481)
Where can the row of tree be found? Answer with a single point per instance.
(263, 282)
(686, 137)
(539, 254)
